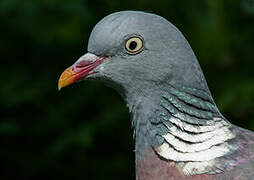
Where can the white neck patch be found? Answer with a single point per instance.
(195, 148)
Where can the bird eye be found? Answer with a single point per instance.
(134, 45)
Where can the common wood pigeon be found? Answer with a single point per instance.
(179, 131)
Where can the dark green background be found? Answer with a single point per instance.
(84, 131)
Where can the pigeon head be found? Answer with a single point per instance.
(135, 51)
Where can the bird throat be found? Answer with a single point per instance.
(182, 125)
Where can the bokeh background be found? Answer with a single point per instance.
(84, 131)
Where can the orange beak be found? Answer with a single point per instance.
(79, 70)
(66, 78)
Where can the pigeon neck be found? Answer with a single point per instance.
(142, 104)
(181, 124)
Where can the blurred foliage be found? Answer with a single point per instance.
(84, 131)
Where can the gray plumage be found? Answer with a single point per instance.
(179, 132)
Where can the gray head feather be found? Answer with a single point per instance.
(166, 57)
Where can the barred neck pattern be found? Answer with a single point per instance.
(191, 131)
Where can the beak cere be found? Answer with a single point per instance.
(80, 69)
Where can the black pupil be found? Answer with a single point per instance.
(133, 45)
